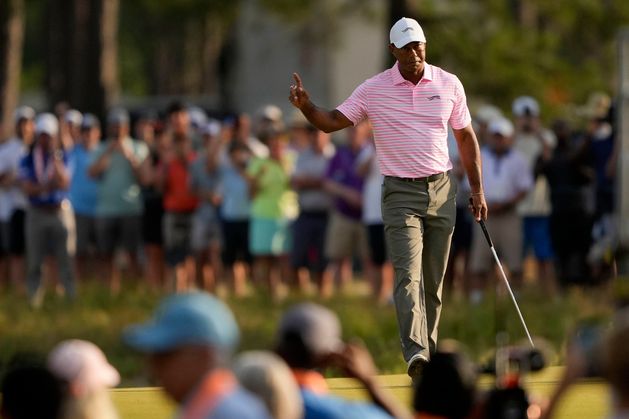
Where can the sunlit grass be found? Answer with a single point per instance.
(99, 317)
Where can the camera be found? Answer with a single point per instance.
(508, 399)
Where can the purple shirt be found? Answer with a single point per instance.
(342, 169)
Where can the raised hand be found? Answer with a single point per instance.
(298, 95)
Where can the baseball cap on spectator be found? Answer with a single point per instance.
(118, 116)
(267, 376)
(501, 126)
(318, 328)
(405, 31)
(185, 319)
(525, 105)
(23, 112)
(73, 117)
(83, 365)
(270, 113)
(90, 121)
(211, 128)
(198, 118)
(486, 113)
(46, 123)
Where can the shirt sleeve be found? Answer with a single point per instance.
(355, 106)
(460, 116)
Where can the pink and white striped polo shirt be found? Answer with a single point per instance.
(410, 122)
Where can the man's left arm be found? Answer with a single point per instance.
(470, 157)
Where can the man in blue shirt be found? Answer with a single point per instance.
(45, 180)
(309, 339)
(84, 191)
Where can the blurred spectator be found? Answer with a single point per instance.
(188, 344)
(267, 376)
(314, 205)
(70, 128)
(570, 221)
(243, 135)
(482, 117)
(273, 207)
(84, 193)
(153, 202)
(144, 127)
(45, 180)
(532, 140)
(599, 147)
(446, 387)
(300, 132)
(12, 199)
(206, 227)
(268, 121)
(180, 199)
(345, 235)
(382, 278)
(601, 353)
(120, 165)
(84, 369)
(198, 121)
(30, 391)
(506, 182)
(234, 211)
(309, 340)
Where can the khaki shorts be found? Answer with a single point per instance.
(345, 237)
(506, 235)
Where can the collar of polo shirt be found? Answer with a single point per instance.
(397, 78)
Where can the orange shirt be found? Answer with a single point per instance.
(178, 195)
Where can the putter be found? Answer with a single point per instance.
(504, 277)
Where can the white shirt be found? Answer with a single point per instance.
(372, 188)
(504, 176)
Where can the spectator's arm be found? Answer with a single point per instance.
(300, 182)
(337, 190)
(101, 163)
(357, 363)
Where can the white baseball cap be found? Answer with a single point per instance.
(23, 112)
(406, 30)
(83, 365)
(525, 104)
(501, 126)
(73, 117)
(46, 123)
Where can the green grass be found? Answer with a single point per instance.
(98, 317)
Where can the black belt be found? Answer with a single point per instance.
(426, 179)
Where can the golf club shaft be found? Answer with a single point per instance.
(504, 278)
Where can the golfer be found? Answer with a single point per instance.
(410, 106)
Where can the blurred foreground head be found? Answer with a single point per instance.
(447, 385)
(30, 391)
(189, 335)
(616, 357)
(307, 334)
(268, 377)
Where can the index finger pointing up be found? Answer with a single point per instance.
(297, 79)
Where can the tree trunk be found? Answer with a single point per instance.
(11, 41)
(82, 64)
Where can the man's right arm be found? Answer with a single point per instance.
(326, 121)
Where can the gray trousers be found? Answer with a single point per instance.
(46, 234)
(419, 221)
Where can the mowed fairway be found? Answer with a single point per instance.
(98, 317)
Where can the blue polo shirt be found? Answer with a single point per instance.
(27, 172)
(317, 406)
(83, 189)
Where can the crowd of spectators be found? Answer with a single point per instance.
(187, 201)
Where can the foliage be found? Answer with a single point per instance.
(100, 318)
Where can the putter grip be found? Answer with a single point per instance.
(486, 233)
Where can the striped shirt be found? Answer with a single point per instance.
(410, 122)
